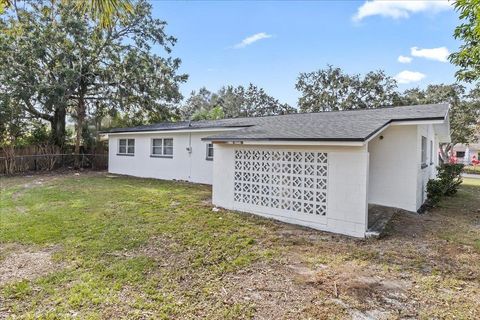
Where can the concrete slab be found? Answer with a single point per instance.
(378, 218)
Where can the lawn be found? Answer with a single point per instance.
(95, 245)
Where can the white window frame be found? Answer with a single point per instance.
(423, 156)
(162, 147)
(127, 146)
(208, 147)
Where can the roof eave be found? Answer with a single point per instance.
(177, 130)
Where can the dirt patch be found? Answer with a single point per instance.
(282, 290)
(20, 262)
(272, 289)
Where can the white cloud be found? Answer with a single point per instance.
(404, 59)
(399, 8)
(409, 76)
(251, 39)
(439, 54)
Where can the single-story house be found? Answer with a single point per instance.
(320, 170)
(467, 154)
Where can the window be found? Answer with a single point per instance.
(431, 152)
(162, 148)
(126, 147)
(460, 154)
(424, 152)
(209, 151)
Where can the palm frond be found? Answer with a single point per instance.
(104, 11)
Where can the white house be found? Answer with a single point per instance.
(320, 170)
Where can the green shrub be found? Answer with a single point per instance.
(446, 184)
(434, 191)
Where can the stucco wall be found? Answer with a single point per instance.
(393, 168)
(429, 172)
(183, 166)
(396, 176)
(346, 190)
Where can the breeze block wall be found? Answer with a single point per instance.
(339, 180)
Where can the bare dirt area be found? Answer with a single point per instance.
(20, 262)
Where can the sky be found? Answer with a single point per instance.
(268, 43)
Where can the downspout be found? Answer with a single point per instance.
(190, 152)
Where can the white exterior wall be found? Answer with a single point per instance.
(183, 166)
(429, 172)
(393, 168)
(396, 176)
(346, 190)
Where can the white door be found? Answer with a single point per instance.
(286, 183)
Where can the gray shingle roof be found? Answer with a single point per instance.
(355, 125)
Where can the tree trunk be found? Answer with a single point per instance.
(58, 126)
(444, 150)
(81, 113)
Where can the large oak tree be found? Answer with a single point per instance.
(58, 63)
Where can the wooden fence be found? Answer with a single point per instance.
(34, 158)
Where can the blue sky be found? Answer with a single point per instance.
(303, 36)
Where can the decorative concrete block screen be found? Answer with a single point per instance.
(293, 183)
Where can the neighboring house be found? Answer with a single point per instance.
(320, 170)
(472, 151)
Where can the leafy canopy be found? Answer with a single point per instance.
(56, 64)
(103, 11)
(468, 56)
(331, 89)
(232, 102)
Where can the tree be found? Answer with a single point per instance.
(104, 11)
(62, 63)
(468, 56)
(464, 110)
(257, 103)
(331, 89)
(199, 104)
(232, 102)
(13, 126)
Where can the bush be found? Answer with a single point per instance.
(446, 184)
(434, 191)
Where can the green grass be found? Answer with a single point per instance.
(94, 219)
(141, 248)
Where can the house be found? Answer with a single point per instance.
(320, 170)
(460, 151)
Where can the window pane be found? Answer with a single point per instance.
(123, 142)
(157, 142)
(210, 150)
(168, 142)
(157, 150)
(168, 151)
(131, 142)
(424, 149)
(131, 149)
(122, 149)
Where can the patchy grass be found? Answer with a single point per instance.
(120, 247)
